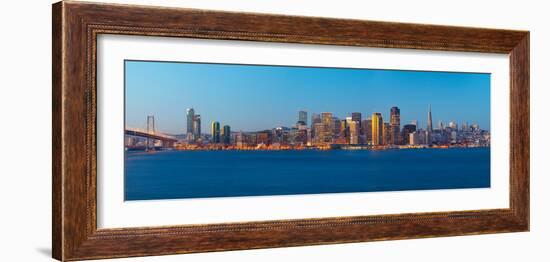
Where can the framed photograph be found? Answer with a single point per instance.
(183, 130)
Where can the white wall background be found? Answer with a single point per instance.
(25, 124)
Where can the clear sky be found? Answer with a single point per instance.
(258, 97)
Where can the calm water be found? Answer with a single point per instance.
(192, 174)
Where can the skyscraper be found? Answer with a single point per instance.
(356, 116)
(354, 132)
(215, 132)
(328, 128)
(429, 129)
(395, 126)
(190, 119)
(226, 134)
(366, 127)
(302, 117)
(386, 134)
(197, 127)
(315, 119)
(377, 129)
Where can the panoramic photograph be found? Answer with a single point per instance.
(202, 130)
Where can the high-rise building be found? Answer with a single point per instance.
(356, 116)
(414, 138)
(407, 130)
(395, 126)
(377, 129)
(190, 119)
(197, 127)
(354, 131)
(226, 134)
(429, 128)
(215, 132)
(315, 119)
(319, 131)
(366, 130)
(387, 134)
(344, 130)
(302, 117)
(336, 126)
(328, 123)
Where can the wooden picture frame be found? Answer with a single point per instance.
(76, 26)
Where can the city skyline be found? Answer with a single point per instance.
(248, 111)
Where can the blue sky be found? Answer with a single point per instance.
(257, 97)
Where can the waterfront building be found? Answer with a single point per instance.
(423, 137)
(226, 134)
(344, 131)
(387, 134)
(407, 130)
(395, 126)
(215, 132)
(196, 127)
(263, 137)
(414, 138)
(377, 129)
(190, 120)
(328, 128)
(366, 130)
(354, 132)
(302, 117)
(319, 131)
(315, 119)
(429, 127)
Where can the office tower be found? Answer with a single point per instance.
(407, 130)
(377, 129)
(356, 116)
(226, 134)
(395, 126)
(344, 130)
(302, 117)
(315, 119)
(441, 126)
(336, 126)
(414, 138)
(319, 131)
(354, 131)
(429, 129)
(190, 119)
(328, 124)
(366, 130)
(387, 134)
(215, 132)
(197, 127)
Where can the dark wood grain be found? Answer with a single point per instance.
(76, 26)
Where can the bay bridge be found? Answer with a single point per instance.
(151, 135)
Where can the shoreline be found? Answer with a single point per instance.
(346, 148)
